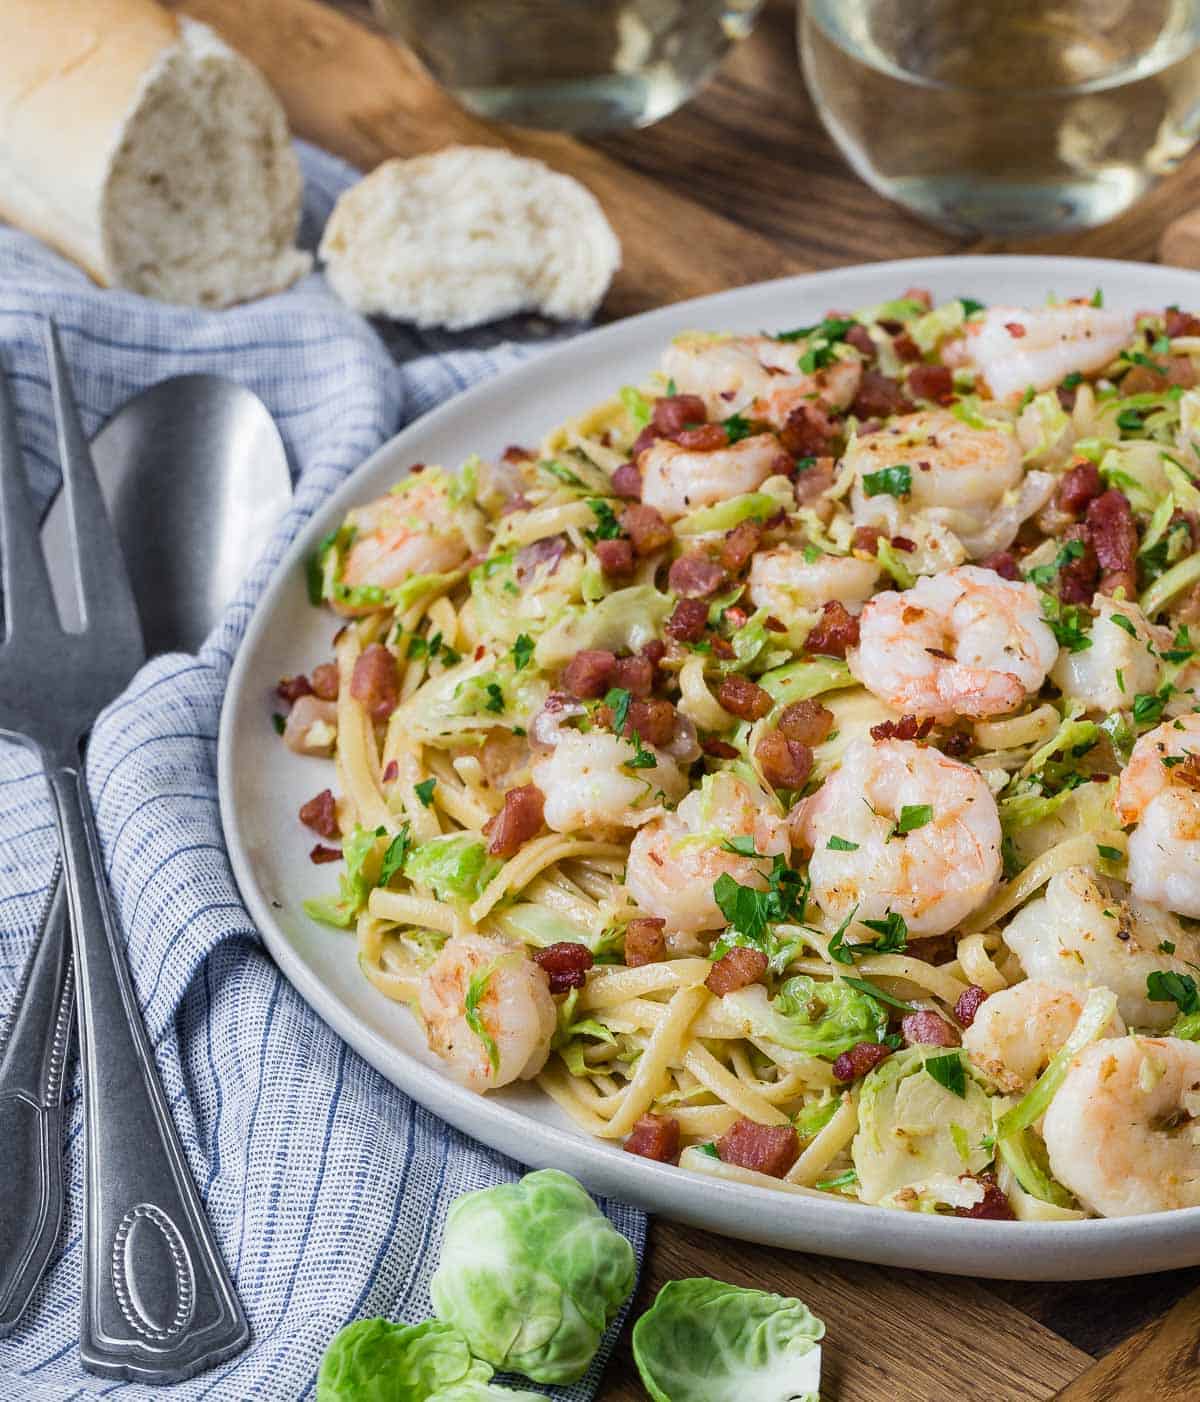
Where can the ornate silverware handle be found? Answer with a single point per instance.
(158, 1304)
(31, 1079)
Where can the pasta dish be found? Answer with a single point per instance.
(793, 763)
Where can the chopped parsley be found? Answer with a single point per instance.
(1109, 854)
(1129, 421)
(889, 481)
(1181, 646)
(522, 651)
(1098, 297)
(1073, 380)
(1166, 986)
(948, 1072)
(892, 934)
(872, 990)
(1148, 706)
(833, 328)
(750, 911)
(737, 427)
(607, 525)
(1166, 947)
(394, 858)
(1067, 622)
(892, 931)
(1140, 358)
(709, 1149)
(279, 723)
(970, 306)
(840, 844)
(495, 698)
(914, 816)
(424, 791)
(1123, 622)
(1044, 575)
(642, 757)
(743, 845)
(618, 700)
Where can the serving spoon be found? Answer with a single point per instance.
(194, 475)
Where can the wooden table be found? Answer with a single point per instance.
(741, 185)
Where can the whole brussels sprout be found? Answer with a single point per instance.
(532, 1273)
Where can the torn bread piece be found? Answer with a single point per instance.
(466, 236)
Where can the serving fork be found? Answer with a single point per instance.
(158, 1304)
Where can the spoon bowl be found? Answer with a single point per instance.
(194, 474)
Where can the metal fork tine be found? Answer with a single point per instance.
(100, 575)
(23, 574)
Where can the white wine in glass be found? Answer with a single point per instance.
(1008, 117)
(570, 65)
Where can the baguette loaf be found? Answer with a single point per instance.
(143, 148)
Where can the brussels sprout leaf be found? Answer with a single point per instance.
(705, 1341)
(374, 1360)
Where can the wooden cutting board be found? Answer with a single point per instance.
(742, 185)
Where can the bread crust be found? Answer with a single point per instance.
(146, 150)
(71, 78)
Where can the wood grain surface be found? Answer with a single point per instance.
(744, 184)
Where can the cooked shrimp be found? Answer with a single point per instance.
(966, 480)
(513, 1011)
(962, 643)
(412, 530)
(675, 860)
(1018, 1030)
(1013, 347)
(1119, 665)
(1121, 1133)
(756, 374)
(590, 782)
(311, 727)
(676, 480)
(1159, 790)
(786, 581)
(936, 874)
(1077, 936)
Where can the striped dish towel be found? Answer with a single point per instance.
(327, 1187)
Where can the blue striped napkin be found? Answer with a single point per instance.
(327, 1187)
